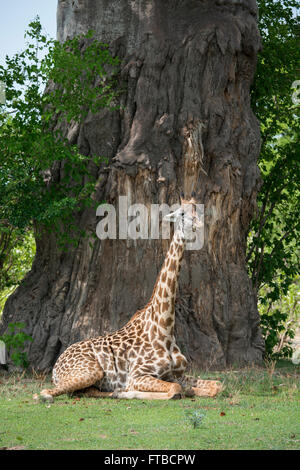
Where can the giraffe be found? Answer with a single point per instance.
(142, 359)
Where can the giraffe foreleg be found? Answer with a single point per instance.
(151, 388)
(144, 395)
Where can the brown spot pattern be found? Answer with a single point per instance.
(137, 355)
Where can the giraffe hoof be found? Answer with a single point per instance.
(177, 396)
(46, 397)
(115, 393)
(189, 392)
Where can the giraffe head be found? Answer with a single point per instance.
(186, 217)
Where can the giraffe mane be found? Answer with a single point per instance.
(148, 303)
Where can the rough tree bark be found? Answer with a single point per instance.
(188, 67)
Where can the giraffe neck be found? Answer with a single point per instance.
(164, 293)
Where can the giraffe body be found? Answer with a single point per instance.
(142, 359)
(118, 360)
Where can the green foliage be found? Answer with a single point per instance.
(17, 250)
(32, 124)
(271, 326)
(16, 255)
(15, 341)
(279, 320)
(84, 77)
(79, 77)
(273, 245)
(4, 294)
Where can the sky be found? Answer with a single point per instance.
(15, 15)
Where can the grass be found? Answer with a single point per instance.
(259, 409)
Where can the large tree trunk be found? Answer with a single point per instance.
(187, 66)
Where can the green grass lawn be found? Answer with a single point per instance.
(258, 409)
